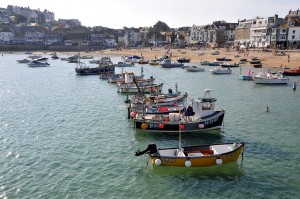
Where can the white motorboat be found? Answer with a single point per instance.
(221, 71)
(269, 78)
(38, 64)
(194, 69)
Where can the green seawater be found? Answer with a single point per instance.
(68, 136)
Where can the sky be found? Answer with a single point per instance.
(144, 13)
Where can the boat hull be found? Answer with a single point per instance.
(145, 89)
(245, 77)
(212, 122)
(203, 160)
(293, 72)
(260, 80)
(95, 70)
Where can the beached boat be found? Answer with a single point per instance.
(167, 63)
(291, 72)
(220, 58)
(194, 156)
(255, 61)
(214, 63)
(199, 116)
(257, 65)
(194, 69)
(269, 78)
(183, 60)
(215, 53)
(221, 71)
(205, 63)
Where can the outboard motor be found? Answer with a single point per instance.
(151, 149)
(170, 91)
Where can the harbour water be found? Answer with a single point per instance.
(68, 136)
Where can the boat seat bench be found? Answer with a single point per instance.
(219, 149)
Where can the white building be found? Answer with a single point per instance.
(132, 37)
(263, 31)
(293, 25)
(6, 37)
(199, 34)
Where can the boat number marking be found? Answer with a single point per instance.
(168, 160)
(153, 126)
(211, 121)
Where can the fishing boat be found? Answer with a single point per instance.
(194, 156)
(167, 63)
(221, 71)
(269, 78)
(101, 69)
(199, 116)
(157, 103)
(194, 69)
(132, 85)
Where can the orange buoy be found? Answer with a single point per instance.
(144, 125)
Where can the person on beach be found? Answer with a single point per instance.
(289, 58)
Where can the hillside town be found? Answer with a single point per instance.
(22, 27)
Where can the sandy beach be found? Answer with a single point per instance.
(268, 59)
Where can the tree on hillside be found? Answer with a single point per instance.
(20, 19)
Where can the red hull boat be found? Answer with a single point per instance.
(292, 72)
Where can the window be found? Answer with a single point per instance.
(293, 37)
(294, 31)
